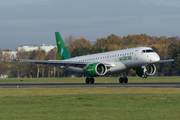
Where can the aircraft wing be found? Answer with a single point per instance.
(163, 61)
(59, 62)
(56, 62)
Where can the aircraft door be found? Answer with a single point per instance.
(135, 57)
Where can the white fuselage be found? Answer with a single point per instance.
(120, 60)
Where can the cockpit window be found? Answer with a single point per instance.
(143, 51)
(147, 51)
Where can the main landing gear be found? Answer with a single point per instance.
(89, 80)
(123, 79)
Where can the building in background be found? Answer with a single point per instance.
(9, 54)
(35, 47)
(3, 76)
(12, 54)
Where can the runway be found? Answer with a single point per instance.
(56, 85)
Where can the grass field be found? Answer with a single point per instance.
(82, 80)
(89, 103)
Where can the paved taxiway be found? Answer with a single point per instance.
(91, 85)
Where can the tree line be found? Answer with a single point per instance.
(167, 48)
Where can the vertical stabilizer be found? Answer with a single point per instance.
(61, 47)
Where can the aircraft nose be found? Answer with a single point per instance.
(155, 58)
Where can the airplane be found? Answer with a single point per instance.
(142, 59)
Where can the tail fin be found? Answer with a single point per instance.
(62, 49)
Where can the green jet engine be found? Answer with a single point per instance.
(96, 69)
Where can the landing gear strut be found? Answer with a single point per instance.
(89, 80)
(123, 79)
(145, 70)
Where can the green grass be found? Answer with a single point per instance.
(82, 80)
(89, 103)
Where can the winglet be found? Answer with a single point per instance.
(62, 49)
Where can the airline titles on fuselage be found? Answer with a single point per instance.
(123, 58)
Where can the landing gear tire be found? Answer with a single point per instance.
(123, 80)
(145, 76)
(92, 80)
(89, 80)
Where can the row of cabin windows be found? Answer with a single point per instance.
(119, 55)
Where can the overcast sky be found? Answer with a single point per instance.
(35, 21)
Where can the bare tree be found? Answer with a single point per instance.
(69, 40)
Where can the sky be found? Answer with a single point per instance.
(36, 21)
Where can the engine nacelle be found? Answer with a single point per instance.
(146, 70)
(96, 69)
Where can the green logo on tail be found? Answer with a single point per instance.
(62, 49)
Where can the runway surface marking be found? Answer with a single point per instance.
(91, 85)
